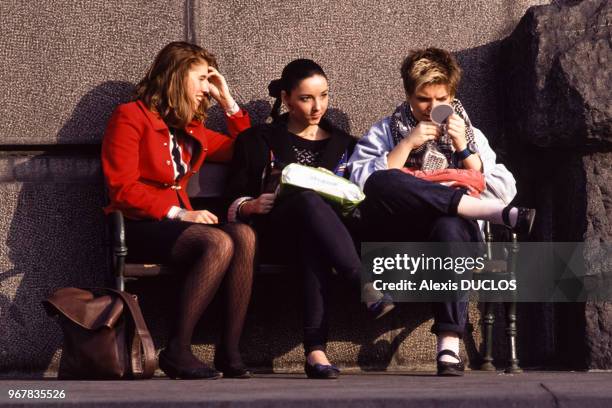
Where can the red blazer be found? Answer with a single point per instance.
(138, 166)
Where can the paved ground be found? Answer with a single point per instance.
(476, 389)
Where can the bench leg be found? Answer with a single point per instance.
(119, 267)
(513, 362)
(120, 283)
(488, 321)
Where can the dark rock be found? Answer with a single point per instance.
(598, 255)
(599, 334)
(555, 76)
(598, 168)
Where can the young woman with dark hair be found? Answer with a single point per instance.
(151, 148)
(302, 226)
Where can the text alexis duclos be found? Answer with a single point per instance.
(430, 285)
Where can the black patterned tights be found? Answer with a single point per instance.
(212, 258)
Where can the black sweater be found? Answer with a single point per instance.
(252, 154)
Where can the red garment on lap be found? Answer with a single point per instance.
(472, 180)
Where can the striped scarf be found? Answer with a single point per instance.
(432, 155)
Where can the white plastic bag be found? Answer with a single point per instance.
(335, 189)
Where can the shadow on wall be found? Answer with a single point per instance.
(479, 92)
(258, 110)
(482, 92)
(90, 115)
(57, 232)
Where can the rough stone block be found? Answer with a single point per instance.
(598, 316)
(556, 76)
(599, 335)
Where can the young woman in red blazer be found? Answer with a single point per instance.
(151, 148)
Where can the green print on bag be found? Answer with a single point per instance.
(338, 190)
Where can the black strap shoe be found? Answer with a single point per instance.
(321, 371)
(446, 369)
(383, 306)
(381, 303)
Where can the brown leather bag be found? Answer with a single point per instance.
(103, 339)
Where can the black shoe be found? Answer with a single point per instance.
(229, 371)
(524, 220)
(382, 306)
(382, 302)
(321, 371)
(174, 371)
(446, 369)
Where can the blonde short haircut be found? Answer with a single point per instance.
(431, 66)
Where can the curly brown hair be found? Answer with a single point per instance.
(163, 89)
(430, 66)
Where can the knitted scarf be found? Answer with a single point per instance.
(402, 123)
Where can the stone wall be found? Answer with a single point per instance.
(65, 65)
